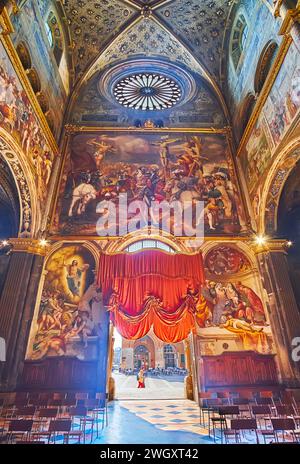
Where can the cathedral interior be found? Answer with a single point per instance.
(150, 191)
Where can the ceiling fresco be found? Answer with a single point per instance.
(197, 27)
(201, 26)
(93, 25)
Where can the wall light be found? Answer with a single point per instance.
(43, 242)
(289, 243)
(260, 240)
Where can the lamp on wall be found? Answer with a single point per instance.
(260, 240)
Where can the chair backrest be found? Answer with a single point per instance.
(48, 412)
(81, 396)
(261, 410)
(69, 402)
(283, 424)
(243, 424)
(213, 402)
(58, 396)
(229, 410)
(78, 411)
(20, 425)
(266, 394)
(91, 403)
(240, 401)
(39, 403)
(204, 395)
(55, 403)
(223, 395)
(266, 400)
(60, 425)
(247, 394)
(284, 410)
(27, 411)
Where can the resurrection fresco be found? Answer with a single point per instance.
(147, 166)
(17, 117)
(69, 313)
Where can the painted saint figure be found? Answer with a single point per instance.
(74, 274)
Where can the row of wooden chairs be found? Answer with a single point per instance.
(81, 410)
(280, 429)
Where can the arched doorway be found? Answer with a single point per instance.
(141, 357)
(147, 344)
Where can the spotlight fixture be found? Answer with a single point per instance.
(260, 240)
(289, 243)
(4, 243)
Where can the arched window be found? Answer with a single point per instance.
(149, 244)
(239, 39)
(49, 34)
(54, 35)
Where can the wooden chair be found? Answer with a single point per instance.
(27, 412)
(221, 419)
(59, 427)
(81, 413)
(237, 427)
(19, 427)
(102, 407)
(282, 425)
(261, 412)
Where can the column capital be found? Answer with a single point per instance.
(29, 245)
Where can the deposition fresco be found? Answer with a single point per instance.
(148, 167)
(68, 320)
(229, 303)
(17, 117)
(280, 110)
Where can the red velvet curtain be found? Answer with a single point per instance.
(151, 288)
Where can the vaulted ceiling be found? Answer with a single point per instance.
(175, 29)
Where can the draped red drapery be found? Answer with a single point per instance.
(151, 289)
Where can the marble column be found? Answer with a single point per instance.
(17, 305)
(283, 310)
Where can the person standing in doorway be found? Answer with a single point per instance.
(141, 379)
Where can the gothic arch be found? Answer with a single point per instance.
(29, 210)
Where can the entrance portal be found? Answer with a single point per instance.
(163, 365)
(141, 358)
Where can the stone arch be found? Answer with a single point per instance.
(29, 210)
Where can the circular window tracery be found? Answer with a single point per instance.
(147, 92)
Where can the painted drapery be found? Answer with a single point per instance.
(151, 289)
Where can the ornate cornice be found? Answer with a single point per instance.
(28, 245)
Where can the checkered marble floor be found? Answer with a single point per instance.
(182, 415)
